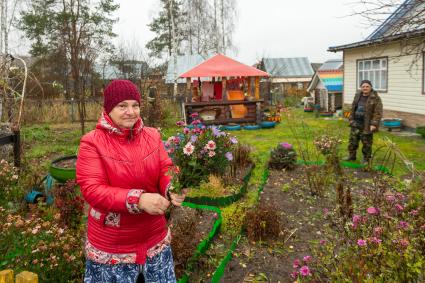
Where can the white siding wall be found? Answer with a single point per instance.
(404, 87)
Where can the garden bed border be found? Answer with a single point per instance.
(204, 244)
(219, 272)
(226, 200)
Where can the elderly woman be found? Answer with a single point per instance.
(122, 171)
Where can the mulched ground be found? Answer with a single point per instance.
(303, 221)
(188, 227)
(271, 260)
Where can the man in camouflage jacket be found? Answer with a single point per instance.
(365, 117)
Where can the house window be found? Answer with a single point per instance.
(300, 85)
(375, 70)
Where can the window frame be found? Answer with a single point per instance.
(371, 59)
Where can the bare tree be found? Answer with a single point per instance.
(396, 19)
(81, 27)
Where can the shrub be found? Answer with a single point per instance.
(69, 203)
(198, 152)
(421, 130)
(283, 157)
(41, 246)
(263, 222)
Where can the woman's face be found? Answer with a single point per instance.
(125, 113)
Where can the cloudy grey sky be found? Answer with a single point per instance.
(272, 28)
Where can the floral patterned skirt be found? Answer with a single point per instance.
(158, 269)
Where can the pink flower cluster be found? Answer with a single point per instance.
(301, 268)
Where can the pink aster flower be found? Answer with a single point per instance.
(286, 145)
(186, 131)
(403, 225)
(180, 123)
(322, 242)
(361, 242)
(400, 196)
(399, 207)
(356, 218)
(377, 231)
(196, 122)
(404, 243)
(296, 263)
(372, 210)
(305, 271)
(294, 274)
(211, 153)
(390, 198)
(325, 211)
(414, 212)
(307, 259)
(375, 240)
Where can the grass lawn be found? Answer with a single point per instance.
(264, 140)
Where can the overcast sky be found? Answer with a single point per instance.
(267, 28)
(264, 28)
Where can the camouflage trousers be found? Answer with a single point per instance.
(357, 135)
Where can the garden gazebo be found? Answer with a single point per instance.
(224, 91)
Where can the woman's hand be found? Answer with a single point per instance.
(177, 199)
(154, 204)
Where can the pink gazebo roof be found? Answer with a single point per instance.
(223, 66)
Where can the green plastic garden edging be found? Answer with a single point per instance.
(203, 246)
(346, 164)
(223, 201)
(219, 272)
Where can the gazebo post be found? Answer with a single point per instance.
(249, 86)
(223, 82)
(257, 87)
(188, 90)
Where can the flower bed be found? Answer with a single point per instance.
(315, 232)
(197, 238)
(227, 199)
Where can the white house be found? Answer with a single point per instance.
(392, 57)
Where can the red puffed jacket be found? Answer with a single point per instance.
(114, 167)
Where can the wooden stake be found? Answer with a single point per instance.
(6, 276)
(26, 277)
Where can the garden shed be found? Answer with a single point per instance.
(326, 87)
(224, 91)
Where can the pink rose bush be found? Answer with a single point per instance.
(198, 151)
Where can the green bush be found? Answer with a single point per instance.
(283, 157)
(421, 130)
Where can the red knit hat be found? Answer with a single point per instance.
(117, 91)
